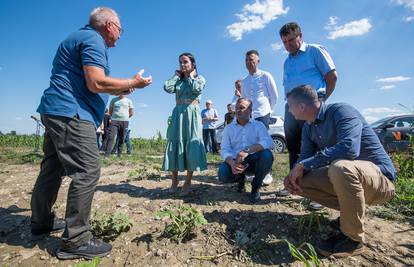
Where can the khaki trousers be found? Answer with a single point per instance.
(347, 186)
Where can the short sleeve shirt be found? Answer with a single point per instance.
(308, 66)
(120, 108)
(67, 94)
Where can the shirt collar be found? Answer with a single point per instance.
(302, 48)
(257, 73)
(237, 123)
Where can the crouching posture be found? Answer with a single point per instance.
(342, 165)
(245, 149)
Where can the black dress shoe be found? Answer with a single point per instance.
(92, 248)
(255, 196)
(240, 184)
(340, 246)
(58, 224)
(336, 224)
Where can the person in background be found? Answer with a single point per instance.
(127, 141)
(229, 116)
(342, 165)
(107, 130)
(185, 149)
(209, 116)
(71, 109)
(260, 87)
(237, 93)
(99, 132)
(121, 110)
(245, 149)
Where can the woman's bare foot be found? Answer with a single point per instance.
(174, 187)
(186, 189)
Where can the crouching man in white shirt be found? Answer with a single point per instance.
(245, 149)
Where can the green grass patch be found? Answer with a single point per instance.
(109, 226)
(184, 220)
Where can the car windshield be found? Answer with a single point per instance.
(379, 122)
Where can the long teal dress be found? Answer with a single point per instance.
(185, 149)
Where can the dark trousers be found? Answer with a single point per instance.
(265, 120)
(119, 129)
(105, 138)
(293, 135)
(259, 164)
(212, 134)
(127, 141)
(69, 149)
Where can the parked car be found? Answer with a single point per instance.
(394, 131)
(276, 131)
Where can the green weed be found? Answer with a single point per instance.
(310, 222)
(184, 221)
(109, 227)
(94, 263)
(308, 257)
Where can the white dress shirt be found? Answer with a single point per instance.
(237, 137)
(261, 89)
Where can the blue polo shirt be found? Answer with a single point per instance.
(340, 132)
(309, 66)
(68, 94)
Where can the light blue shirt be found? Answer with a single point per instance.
(209, 124)
(237, 137)
(309, 66)
(120, 108)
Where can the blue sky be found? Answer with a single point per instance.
(369, 41)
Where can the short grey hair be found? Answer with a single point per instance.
(100, 15)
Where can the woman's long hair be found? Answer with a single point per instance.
(192, 59)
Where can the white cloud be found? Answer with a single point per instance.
(408, 19)
(387, 87)
(18, 118)
(255, 17)
(406, 3)
(393, 79)
(142, 105)
(374, 114)
(379, 110)
(332, 22)
(276, 46)
(353, 28)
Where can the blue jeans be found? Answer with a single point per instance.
(259, 164)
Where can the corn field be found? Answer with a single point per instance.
(152, 145)
(19, 140)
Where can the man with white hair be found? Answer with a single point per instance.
(71, 108)
(209, 117)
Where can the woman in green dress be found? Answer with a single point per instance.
(185, 149)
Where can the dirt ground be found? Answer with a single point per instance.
(263, 225)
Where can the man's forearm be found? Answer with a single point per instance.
(330, 79)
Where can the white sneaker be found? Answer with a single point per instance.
(282, 193)
(315, 205)
(268, 179)
(249, 178)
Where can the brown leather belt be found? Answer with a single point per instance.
(187, 102)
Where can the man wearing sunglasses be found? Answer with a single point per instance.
(71, 108)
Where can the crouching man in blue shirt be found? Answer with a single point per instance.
(342, 165)
(245, 148)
